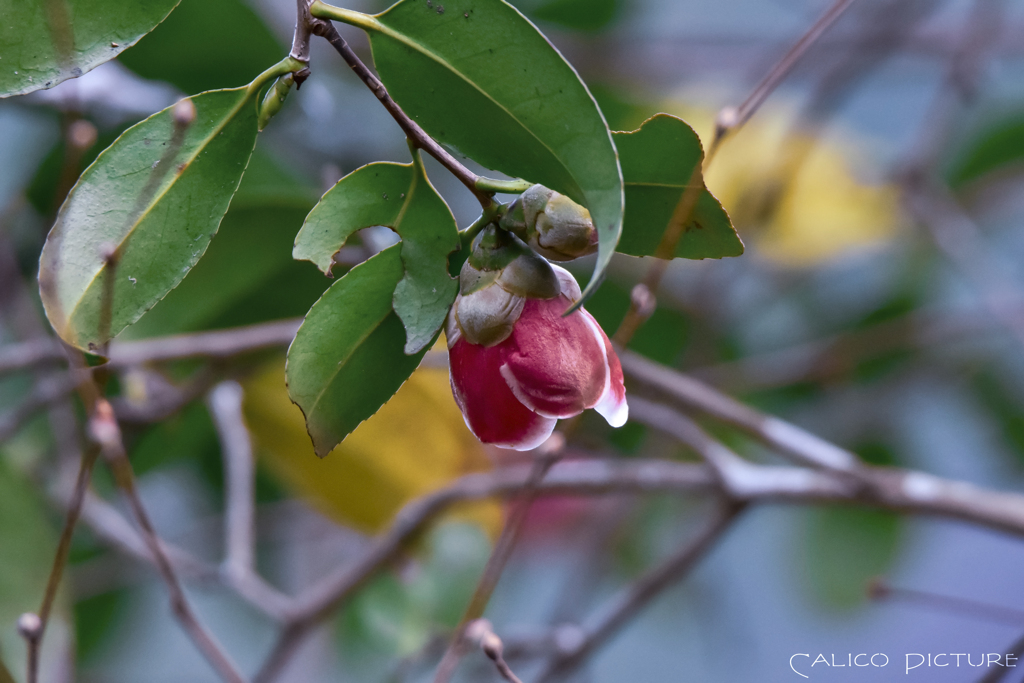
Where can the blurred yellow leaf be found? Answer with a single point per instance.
(417, 442)
(796, 197)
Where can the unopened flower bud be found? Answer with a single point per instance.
(519, 361)
(552, 224)
(497, 278)
(274, 99)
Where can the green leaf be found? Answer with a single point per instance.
(658, 161)
(206, 45)
(153, 199)
(29, 542)
(481, 79)
(44, 42)
(580, 15)
(846, 548)
(997, 147)
(347, 360)
(400, 197)
(247, 275)
(5, 674)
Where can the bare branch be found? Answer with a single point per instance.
(998, 673)
(104, 430)
(962, 242)
(45, 392)
(35, 637)
(544, 457)
(218, 344)
(225, 403)
(732, 118)
(417, 136)
(30, 354)
(881, 591)
(482, 634)
(784, 437)
(305, 26)
(635, 597)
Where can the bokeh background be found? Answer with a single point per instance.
(856, 313)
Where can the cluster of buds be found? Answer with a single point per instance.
(518, 363)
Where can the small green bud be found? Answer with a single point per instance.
(274, 99)
(552, 224)
(495, 281)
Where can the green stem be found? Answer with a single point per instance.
(286, 65)
(515, 186)
(469, 234)
(322, 10)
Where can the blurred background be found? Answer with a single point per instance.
(869, 308)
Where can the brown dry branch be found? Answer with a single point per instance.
(632, 599)
(105, 432)
(729, 119)
(35, 635)
(481, 633)
(417, 136)
(545, 457)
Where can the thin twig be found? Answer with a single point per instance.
(880, 591)
(225, 403)
(782, 436)
(729, 119)
(885, 488)
(417, 136)
(217, 344)
(45, 392)
(482, 634)
(962, 242)
(60, 559)
(732, 118)
(545, 457)
(104, 430)
(638, 595)
(998, 673)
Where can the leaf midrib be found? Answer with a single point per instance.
(158, 197)
(670, 186)
(385, 30)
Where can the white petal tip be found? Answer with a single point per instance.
(616, 412)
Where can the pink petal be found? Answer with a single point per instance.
(554, 365)
(612, 402)
(489, 407)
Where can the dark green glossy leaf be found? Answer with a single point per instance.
(658, 161)
(347, 358)
(44, 42)
(481, 79)
(400, 197)
(156, 196)
(997, 147)
(580, 15)
(247, 275)
(206, 45)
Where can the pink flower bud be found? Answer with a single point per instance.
(543, 366)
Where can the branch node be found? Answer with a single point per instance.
(30, 626)
(300, 77)
(643, 300)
